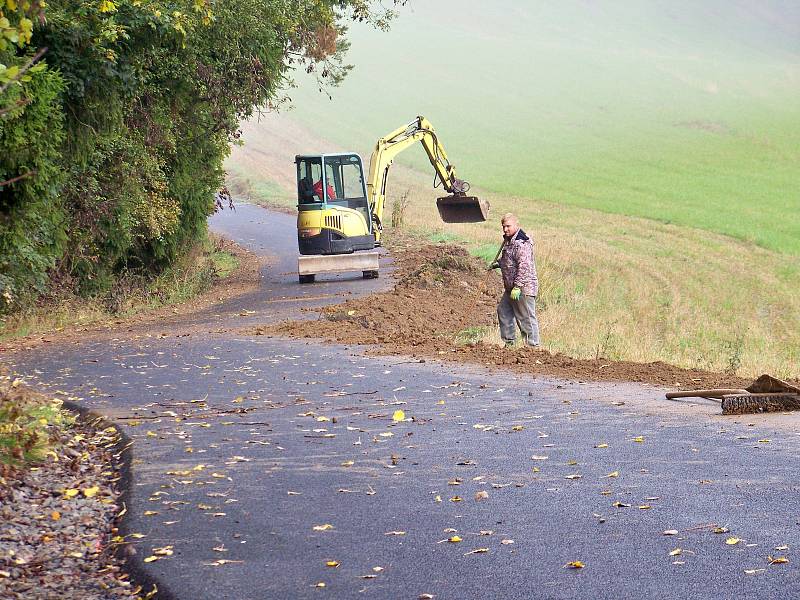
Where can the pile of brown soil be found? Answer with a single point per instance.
(441, 292)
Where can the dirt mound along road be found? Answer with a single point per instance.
(443, 291)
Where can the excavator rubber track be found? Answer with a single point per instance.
(462, 209)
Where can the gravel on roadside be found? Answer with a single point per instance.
(58, 533)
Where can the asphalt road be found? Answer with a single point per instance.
(262, 461)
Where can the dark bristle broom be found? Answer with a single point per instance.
(765, 394)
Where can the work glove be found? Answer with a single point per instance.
(515, 293)
(494, 265)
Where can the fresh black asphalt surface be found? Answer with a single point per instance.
(274, 469)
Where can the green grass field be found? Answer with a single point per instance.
(685, 114)
(653, 152)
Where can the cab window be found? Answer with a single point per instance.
(309, 173)
(345, 175)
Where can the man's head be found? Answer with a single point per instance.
(510, 224)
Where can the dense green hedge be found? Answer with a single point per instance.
(112, 144)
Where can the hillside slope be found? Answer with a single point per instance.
(683, 112)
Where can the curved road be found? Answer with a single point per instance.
(275, 470)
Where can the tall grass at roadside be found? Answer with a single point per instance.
(132, 293)
(624, 288)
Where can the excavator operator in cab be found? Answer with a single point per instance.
(318, 191)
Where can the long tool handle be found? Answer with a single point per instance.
(717, 393)
(499, 252)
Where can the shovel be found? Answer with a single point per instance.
(765, 394)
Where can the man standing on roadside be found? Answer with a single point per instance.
(518, 303)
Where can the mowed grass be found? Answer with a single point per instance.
(624, 107)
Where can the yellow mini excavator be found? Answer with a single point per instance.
(340, 216)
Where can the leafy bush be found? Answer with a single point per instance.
(114, 131)
(31, 214)
(29, 423)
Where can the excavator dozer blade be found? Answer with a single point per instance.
(462, 209)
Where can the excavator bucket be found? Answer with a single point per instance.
(462, 209)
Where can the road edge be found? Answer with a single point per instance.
(123, 457)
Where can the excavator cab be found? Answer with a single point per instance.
(333, 213)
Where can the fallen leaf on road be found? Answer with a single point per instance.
(398, 416)
(671, 532)
(638, 439)
(575, 564)
(395, 533)
(732, 541)
(482, 495)
(332, 563)
(676, 552)
(325, 527)
(477, 551)
(778, 560)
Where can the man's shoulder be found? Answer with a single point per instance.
(521, 237)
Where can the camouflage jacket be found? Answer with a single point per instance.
(517, 264)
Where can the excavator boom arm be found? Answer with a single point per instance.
(389, 146)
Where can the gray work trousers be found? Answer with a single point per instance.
(521, 312)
